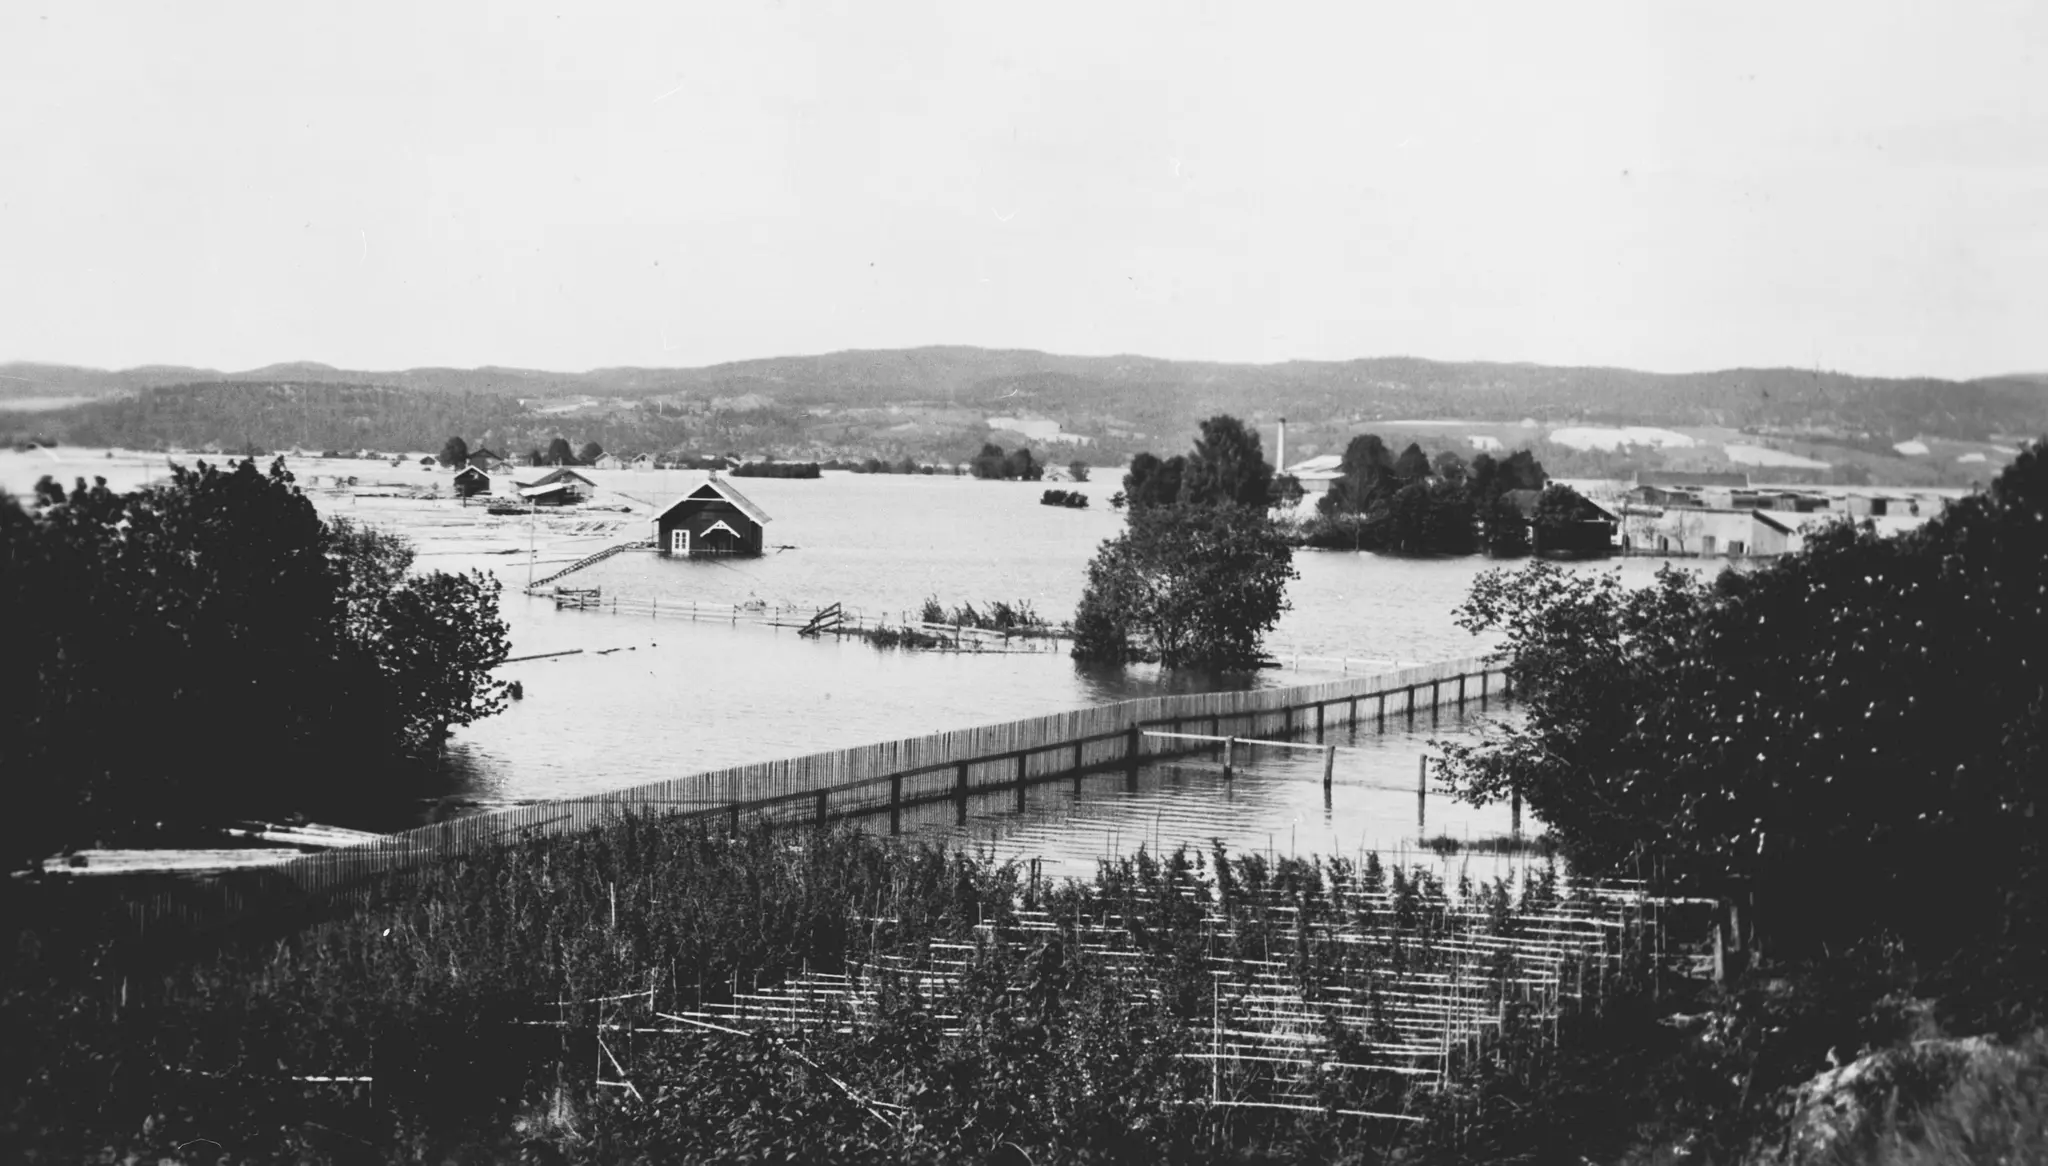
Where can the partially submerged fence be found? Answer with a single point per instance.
(892, 777)
(959, 764)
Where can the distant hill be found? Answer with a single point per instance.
(933, 401)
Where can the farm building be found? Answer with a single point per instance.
(558, 488)
(1587, 530)
(1674, 488)
(471, 481)
(713, 519)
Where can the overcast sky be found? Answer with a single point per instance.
(1860, 186)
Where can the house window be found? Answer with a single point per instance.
(1735, 546)
(679, 542)
(1707, 545)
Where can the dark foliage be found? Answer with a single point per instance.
(1153, 482)
(1018, 465)
(1853, 735)
(776, 470)
(559, 453)
(1227, 467)
(1185, 585)
(1071, 499)
(455, 452)
(208, 648)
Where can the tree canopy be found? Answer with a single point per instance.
(454, 452)
(559, 453)
(1185, 585)
(1227, 467)
(209, 647)
(1200, 574)
(1853, 733)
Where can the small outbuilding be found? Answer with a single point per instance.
(713, 519)
(471, 481)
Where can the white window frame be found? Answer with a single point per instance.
(679, 541)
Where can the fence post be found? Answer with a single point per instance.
(1329, 765)
(1421, 795)
(1411, 706)
(896, 804)
(1515, 804)
(1022, 759)
(1229, 755)
(1131, 742)
(1319, 724)
(821, 807)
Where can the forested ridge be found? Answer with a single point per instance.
(1110, 397)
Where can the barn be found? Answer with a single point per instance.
(713, 519)
(558, 488)
(471, 481)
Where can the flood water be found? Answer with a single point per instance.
(654, 698)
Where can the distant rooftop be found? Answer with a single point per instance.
(1685, 480)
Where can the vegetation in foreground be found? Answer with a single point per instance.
(473, 995)
(208, 648)
(1847, 749)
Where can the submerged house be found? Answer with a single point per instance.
(713, 519)
(471, 481)
(557, 488)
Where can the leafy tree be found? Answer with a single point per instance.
(1854, 734)
(1412, 465)
(455, 452)
(988, 464)
(1287, 492)
(1187, 586)
(559, 453)
(590, 452)
(534, 457)
(1154, 482)
(1078, 471)
(1021, 466)
(1448, 466)
(1227, 467)
(1502, 528)
(1367, 471)
(207, 648)
(1430, 516)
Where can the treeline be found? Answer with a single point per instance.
(1016, 466)
(776, 470)
(1417, 504)
(237, 416)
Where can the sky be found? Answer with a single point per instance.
(1859, 186)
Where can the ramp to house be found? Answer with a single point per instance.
(587, 560)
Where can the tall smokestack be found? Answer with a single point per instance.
(1282, 464)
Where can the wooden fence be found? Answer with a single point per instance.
(891, 777)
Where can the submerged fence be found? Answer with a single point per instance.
(889, 777)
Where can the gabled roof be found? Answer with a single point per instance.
(479, 471)
(719, 488)
(540, 491)
(564, 474)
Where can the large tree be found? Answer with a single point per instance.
(1153, 481)
(1185, 585)
(1856, 734)
(207, 647)
(559, 453)
(454, 452)
(1227, 467)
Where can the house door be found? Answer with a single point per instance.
(679, 542)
